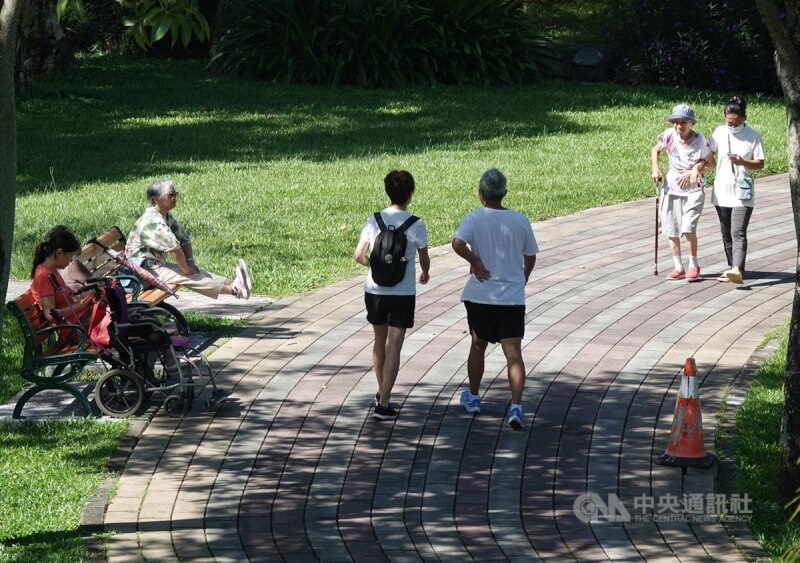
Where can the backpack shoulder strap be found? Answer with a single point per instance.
(379, 220)
(407, 223)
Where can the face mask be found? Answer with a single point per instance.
(734, 130)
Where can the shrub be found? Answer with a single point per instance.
(97, 26)
(709, 44)
(380, 43)
(161, 27)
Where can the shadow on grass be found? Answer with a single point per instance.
(112, 119)
(10, 359)
(44, 547)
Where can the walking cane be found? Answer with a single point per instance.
(655, 257)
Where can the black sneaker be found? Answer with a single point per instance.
(384, 413)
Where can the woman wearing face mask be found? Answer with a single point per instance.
(739, 151)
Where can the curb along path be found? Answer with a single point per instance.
(294, 468)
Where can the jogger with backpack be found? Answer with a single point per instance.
(394, 237)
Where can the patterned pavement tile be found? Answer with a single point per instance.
(294, 468)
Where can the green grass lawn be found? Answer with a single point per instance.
(10, 359)
(758, 423)
(286, 175)
(48, 472)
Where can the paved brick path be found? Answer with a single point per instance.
(294, 468)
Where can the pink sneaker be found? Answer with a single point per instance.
(693, 274)
(676, 275)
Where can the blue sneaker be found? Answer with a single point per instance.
(470, 404)
(516, 419)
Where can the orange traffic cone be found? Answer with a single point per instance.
(686, 447)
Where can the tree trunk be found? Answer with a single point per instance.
(9, 12)
(785, 35)
(789, 472)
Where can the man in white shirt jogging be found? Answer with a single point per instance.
(501, 249)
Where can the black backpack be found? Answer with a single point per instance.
(388, 258)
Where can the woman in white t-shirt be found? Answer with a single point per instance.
(739, 151)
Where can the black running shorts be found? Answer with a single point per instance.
(392, 310)
(494, 323)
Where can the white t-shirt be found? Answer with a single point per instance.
(500, 238)
(681, 158)
(417, 238)
(746, 143)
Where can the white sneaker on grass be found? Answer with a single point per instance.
(238, 286)
(248, 283)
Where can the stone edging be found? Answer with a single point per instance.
(93, 513)
(727, 478)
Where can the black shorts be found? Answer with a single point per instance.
(494, 323)
(394, 310)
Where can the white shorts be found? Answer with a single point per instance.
(680, 214)
(204, 283)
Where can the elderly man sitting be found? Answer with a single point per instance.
(157, 232)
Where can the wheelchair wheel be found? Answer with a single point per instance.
(119, 393)
(180, 321)
(175, 406)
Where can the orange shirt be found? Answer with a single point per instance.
(42, 286)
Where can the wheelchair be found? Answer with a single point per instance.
(149, 356)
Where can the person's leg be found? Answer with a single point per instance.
(691, 241)
(724, 215)
(740, 220)
(391, 365)
(379, 351)
(205, 283)
(692, 209)
(671, 227)
(693, 272)
(675, 247)
(475, 363)
(677, 259)
(512, 348)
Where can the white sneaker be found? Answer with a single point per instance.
(248, 283)
(238, 287)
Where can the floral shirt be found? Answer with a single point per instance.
(153, 235)
(681, 158)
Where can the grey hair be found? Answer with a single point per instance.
(493, 184)
(159, 188)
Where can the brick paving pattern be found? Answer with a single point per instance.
(294, 468)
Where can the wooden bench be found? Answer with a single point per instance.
(47, 362)
(99, 263)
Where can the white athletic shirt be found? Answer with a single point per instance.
(500, 238)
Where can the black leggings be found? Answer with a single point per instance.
(733, 222)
